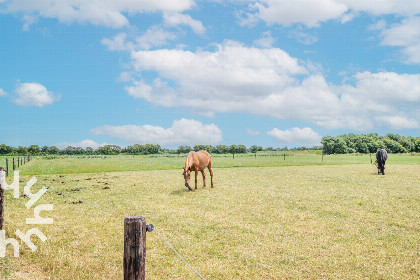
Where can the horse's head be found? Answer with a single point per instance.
(187, 177)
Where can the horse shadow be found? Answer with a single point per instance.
(180, 191)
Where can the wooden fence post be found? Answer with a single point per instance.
(7, 167)
(2, 179)
(134, 248)
(14, 166)
(18, 162)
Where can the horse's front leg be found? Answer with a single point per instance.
(196, 172)
(204, 178)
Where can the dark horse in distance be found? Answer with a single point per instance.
(197, 161)
(381, 157)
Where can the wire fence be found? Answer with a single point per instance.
(121, 216)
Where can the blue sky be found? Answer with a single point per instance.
(186, 72)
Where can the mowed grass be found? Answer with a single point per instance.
(291, 222)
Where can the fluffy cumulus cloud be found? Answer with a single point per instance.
(33, 94)
(313, 13)
(296, 136)
(182, 132)
(175, 19)
(307, 12)
(153, 37)
(2, 92)
(406, 35)
(82, 144)
(108, 13)
(236, 78)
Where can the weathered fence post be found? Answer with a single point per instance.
(2, 179)
(284, 156)
(14, 166)
(7, 167)
(134, 248)
(18, 162)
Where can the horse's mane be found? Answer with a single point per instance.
(188, 161)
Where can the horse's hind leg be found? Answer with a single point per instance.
(204, 178)
(211, 175)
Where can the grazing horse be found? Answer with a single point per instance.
(381, 157)
(197, 161)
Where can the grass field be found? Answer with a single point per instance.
(284, 222)
(70, 165)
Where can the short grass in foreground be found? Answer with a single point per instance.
(304, 222)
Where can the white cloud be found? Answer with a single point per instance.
(34, 94)
(384, 7)
(2, 92)
(83, 144)
(288, 12)
(153, 37)
(108, 13)
(312, 13)
(117, 43)
(235, 78)
(398, 121)
(266, 41)
(175, 19)
(182, 132)
(302, 37)
(253, 132)
(296, 136)
(405, 35)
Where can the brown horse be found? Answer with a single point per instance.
(197, 161)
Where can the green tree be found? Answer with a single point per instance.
(184, 149)
(222, 149)
(23, 151)
(5, 150)
(255, 148)
(53, 150)
(34, 149)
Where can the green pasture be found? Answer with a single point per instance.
(312, 221)
(70, 165)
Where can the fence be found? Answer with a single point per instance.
(19, 161)
(135, 228)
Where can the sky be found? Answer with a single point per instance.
(271, 73)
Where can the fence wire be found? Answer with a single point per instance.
(121, 216)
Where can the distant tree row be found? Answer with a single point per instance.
(348, 143)
(370, 143)
(136, 149)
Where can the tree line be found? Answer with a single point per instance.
(348, 143)
(370, 143)
(137, 149)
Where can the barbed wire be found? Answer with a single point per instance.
(169, 245)
(111, 212)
